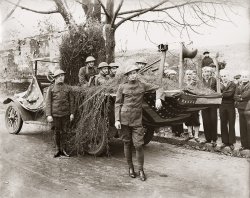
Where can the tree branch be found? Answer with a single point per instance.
(11, 12)
(31, 10)
(116, 12)
(160, 9)
(104, 9)
(139, 13)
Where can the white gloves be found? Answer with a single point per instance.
(158, 104)
(118, 125)
(71, 117)
(49, 118)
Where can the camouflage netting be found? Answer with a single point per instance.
(93, 111)
(77, 45)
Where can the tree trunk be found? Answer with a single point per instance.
(92, 9)
(109, 43)
(70, 22)
(109, 32)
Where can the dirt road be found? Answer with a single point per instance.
(27, 169)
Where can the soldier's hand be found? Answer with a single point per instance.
(49, 118)
(118, 125)
(158, 104)
(71, 117)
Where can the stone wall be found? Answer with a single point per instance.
(17, 56)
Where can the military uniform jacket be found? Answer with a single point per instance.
(85, 73)
(128, 104)
(242, 96)
(59, 101)
(228, 92)
(206, 61)
(98, 80)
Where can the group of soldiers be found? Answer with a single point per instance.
(92, 75)
(128, 106)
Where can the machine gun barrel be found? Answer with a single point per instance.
(144, 69)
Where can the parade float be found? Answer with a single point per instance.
(94, 124)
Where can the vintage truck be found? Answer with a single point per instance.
(177, 106)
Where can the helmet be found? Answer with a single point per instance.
(114, 65)
(58, 72)
(90, 59)
(142, 60)
(103, 64)
(131, 68)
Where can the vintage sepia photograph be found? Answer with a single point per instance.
(124, 98)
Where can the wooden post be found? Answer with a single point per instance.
(217, 73)
(163, 49)
(181, 71)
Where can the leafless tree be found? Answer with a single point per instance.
(174, 13)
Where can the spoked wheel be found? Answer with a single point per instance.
(98, 144)
(13, 119)
(148, 134)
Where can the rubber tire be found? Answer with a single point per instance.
(148, 134)
(19, 125)
(102, 146)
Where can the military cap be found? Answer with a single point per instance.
(90, 59)
(58, 72)
(103, 64)
(206, 52)
(142, 60)
(131, 68)
(114, 65)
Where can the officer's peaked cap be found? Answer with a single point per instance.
(58, 72)
(103, 64)
(131, 68)
(90, 59)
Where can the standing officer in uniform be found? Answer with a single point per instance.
(59, 109)
(103, 75)
(227, 111)
(113, 69)
(128, 117)
(207, 60)
(141, 63)
(209, 115)
(86, 72)
(242, 98)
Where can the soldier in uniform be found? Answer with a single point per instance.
(59, 110)
(113, 69)
(209, 115)
(103, 75)
(141, 63)
(227, 111)
(86, 72)
(207, 60)
(242, 98)
(128, 117)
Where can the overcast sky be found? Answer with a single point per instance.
(128, 35)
